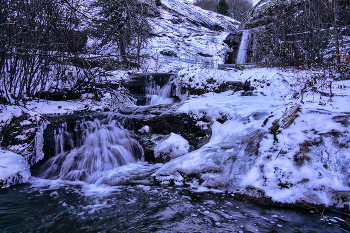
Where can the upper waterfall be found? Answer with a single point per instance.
(243, 46)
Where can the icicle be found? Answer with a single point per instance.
(39, 143)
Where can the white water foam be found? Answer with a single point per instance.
(242, 51)
(156, 95)
(106, 147)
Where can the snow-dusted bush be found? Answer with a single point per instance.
(173, 147)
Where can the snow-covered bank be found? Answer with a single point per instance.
(286, 140)
(13, 169)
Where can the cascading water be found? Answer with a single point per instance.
(242, 51)
(106, 147)
(156, 95)
(62, 137)
(152, 88)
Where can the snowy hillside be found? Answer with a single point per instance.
(188, 35)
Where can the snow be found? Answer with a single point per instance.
(13, 169)
(172, 147)
(305, 163)
(188, 31)
(7, 113)
(144, 129)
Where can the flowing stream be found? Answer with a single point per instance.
(79, 207)
(103, 185)
(97, 180)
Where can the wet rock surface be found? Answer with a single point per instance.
(160, 119)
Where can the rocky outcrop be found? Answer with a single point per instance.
(198, 16)
(64, 133)
(266, 12)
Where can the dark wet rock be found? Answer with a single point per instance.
(60, 94)
(343, 119)
(176, 20)
(204, 54)
(168, 52)
(3, 100)
(160, 120)
(164, 124)
(230, 85)
(232, 40)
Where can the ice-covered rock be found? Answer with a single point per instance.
(270, 144)
(144, 129)
(174, 146)
(14, 169)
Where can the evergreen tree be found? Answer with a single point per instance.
(222, 7)
(123, 22)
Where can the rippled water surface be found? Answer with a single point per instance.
(78, 207)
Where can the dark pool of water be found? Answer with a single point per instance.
(139, 208)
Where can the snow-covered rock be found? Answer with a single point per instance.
(172, 147)
(270, 144)
(144, 129)
(14, 169)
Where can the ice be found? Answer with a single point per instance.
(14, 169)
(39, 142)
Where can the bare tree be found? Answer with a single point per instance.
(303, 33)
(35, 35)
(238, 9)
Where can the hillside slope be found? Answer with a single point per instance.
(187, 34)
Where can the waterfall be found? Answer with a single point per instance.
(152, 88)
(156, 95)
(242, 51)
(106, 147)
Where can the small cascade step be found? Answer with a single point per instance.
(151, 88)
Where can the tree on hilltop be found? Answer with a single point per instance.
(222, 7)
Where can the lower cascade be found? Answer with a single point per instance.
(106, 147)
